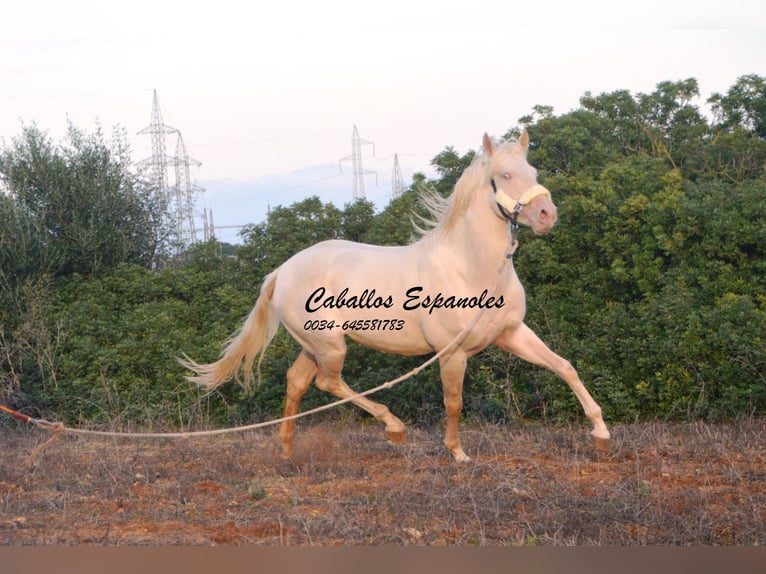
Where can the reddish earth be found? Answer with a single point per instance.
(528, 485)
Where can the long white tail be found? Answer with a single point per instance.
(245, 345)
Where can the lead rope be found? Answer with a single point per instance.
(59, 428)
(513, 229)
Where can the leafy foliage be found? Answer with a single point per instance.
(80, 201)
(653, 283)
(69, 208)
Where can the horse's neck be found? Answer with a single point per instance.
(477, 244)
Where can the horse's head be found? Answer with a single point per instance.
(516, 194)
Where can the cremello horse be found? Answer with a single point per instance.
(410, 300)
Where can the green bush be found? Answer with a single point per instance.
(653, 285)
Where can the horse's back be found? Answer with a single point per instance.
(346, 263)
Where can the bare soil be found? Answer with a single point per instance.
(669, 484)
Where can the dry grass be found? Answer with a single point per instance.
(675, 484)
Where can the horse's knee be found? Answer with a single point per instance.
(453, 404)
(566, 370)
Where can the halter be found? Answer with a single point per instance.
(511, 210)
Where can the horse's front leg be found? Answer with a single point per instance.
(522, 341)
(452, 370)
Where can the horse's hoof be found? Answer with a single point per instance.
(397, 437)
(601, 444)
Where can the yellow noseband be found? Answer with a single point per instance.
(514, 206)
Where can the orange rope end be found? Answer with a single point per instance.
(16, 415)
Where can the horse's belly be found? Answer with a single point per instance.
(399, 339)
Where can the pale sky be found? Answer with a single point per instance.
(261, 90)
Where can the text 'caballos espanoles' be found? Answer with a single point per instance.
(414, 298)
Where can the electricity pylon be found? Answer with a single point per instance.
(179, 198)
(356, 162)
(397, 181)
(185, 193)
(159, 161)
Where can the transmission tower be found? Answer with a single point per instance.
(185, 193)
(209, 228)
(179, 199)
(356, 162)
(397, 181)
(159, 161)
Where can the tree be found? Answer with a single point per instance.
(24, 247)
(743, 106)
(450, 165)
(394, 225)
(356, 220)
(738, 149)
(289, 230)
(82, 199)
(653, 281)
(66, 209)
(579, 143)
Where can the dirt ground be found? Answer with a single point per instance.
(662, 484)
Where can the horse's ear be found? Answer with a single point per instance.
(524, 140)
(489, 145)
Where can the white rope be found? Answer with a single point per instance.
(58, 427)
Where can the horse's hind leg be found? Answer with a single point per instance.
(452, 371)
(329, 379)
(299, 377)
(523, 342)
